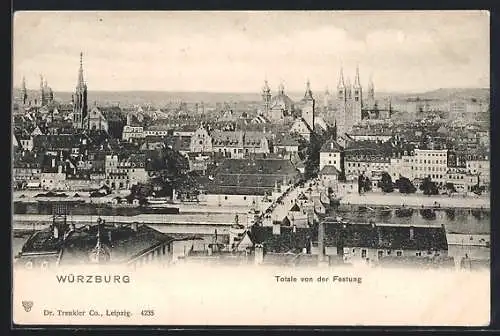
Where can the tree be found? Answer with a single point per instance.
(405, 186)
(364, 183)
(429, 187)
(367, 184)
(313, 149)
(450, 187)
(385, 183)
(141, 190)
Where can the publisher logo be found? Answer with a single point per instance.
(27, 305)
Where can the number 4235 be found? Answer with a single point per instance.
(147, 312)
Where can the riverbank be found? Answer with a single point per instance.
(415, 200)
(205, 219)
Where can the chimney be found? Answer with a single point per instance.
(56, 231)
(133, 226)
(379, 236)
(109, 238)
(53, 162)
(331, 145)
(412, 233)
(59, 168)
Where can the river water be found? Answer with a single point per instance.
(455, 221)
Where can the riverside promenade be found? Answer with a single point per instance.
(416, 200)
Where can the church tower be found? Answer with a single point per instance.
(281, 89)
(266, 98)
(43, 99)
(371, 92)
(326, 99)
(24, 92)
(80, 99)
(340, 117)
(308, 106)
(357, 97)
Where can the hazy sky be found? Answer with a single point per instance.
(236, 51)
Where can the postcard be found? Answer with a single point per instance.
(270, 168)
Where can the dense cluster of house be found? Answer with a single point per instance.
(341, 165)
(242, 153)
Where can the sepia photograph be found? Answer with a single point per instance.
(251, 168)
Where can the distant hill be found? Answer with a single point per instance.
(449, 93)
(154, 97)
(210, 98)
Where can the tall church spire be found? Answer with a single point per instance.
(348, 88)
(80, 99)
(371, 89)
(24, 91)
(81, 82)
(341, 83)
(42, 91)
(357, 82)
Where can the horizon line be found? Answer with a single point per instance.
(258, 92)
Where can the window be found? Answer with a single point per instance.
(225, 197)
(418, 254)
(380, 254)
(399, 253)
(363, 253)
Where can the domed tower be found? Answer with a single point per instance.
(266, 97)
(80, 107)
(281, 89)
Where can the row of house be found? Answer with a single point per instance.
(373, 158)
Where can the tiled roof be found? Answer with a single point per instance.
(329, 170)
(286, 241)
(113, 113)
(331, 146)
(283, 139)
(251, 176)
(179, 143)
(385, 236)
(29, 160)
(59, 141)
(125, 243)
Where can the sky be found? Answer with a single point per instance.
(236, 51)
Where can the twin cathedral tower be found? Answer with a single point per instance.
(344, 110)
